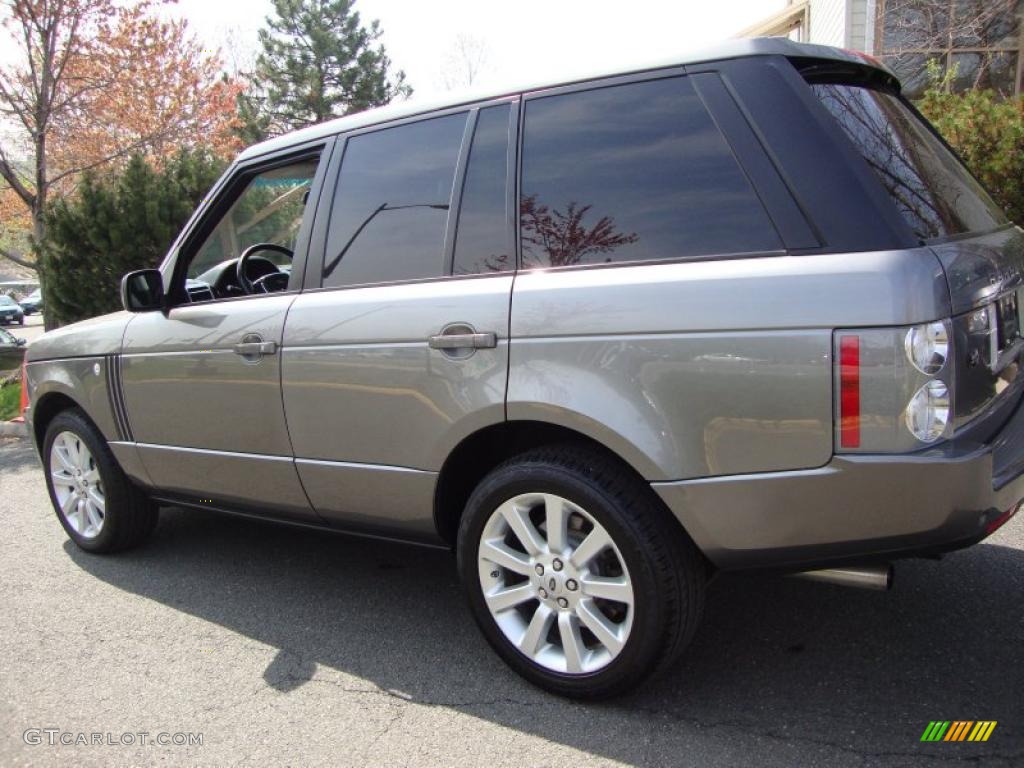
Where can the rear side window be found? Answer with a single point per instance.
(937, 196)
(633, 172)
(481, 244)
(390, 208)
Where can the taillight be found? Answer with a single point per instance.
(849, 391)
(894, 387)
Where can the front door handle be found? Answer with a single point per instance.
(464, 341)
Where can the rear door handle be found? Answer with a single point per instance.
(255, 348)
(463, 341)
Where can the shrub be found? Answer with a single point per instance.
(114, 224)
(988, 132)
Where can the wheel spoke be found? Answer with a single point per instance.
(69, 505)
(504, 599)
(518, 519)
(604, 630)
(501, 554)
(537, 631)
(572, 642)
(93, 516)
(97, 500)
(614, 588)
(64, 457)
(76, 453)
(556, 519)
(596, 541)
(59, 476)
(92, 476)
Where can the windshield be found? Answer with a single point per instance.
(937, 196)
(6, 301)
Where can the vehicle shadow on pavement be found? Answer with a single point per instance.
(778, 662)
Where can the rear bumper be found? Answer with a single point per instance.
(857, 507)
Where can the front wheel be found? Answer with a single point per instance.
(98, 506)
(576, 574)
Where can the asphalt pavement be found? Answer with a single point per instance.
(283, 646)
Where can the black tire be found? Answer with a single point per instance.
(130, 516)
(21, 320)
(666, 570)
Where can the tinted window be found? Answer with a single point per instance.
(481, 244)
(631, 172)
(391, 205)
(934, 192)
(269, 210)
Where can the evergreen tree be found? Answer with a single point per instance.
(318, 61)
(114, 224)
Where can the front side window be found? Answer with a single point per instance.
(270, 209)
(633, 172)
(390, 209)
(929, 185)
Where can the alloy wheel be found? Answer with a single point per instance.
(77, 485)
(555, 583)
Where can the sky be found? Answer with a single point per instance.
(522, 40)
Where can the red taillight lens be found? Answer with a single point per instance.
(849, 391)
(1003, 519)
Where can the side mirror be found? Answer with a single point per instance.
(142, 290)
(20, 342)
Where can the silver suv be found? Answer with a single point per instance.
(604, 338)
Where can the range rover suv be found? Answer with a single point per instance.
(604, 338)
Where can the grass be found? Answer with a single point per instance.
(10, 399)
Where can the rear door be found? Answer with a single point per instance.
(398, 349)
(202, 382)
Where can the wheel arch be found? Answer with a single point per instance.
(483, 450)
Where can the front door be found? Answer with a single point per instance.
(202, 382)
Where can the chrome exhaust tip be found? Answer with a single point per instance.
(864, 576)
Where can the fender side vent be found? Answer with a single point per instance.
(115, 391)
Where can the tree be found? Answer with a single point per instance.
(318, 61)
(557, 239)
(464, 63)
(94, 82)
(970, 32)
(116, 223)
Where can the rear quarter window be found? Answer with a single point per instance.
(934, 192)
(630, 173)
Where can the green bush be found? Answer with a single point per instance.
(116, 223)
(988, 132)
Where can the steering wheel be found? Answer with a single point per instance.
(261, 284)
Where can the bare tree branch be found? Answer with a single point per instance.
(20, 260)
(11, 177)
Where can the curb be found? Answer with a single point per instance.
(13, 429)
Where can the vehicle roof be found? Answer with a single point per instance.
(732, 49)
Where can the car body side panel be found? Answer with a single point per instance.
(367, 400)
(210, 423)
(84, 380)
(361, 385)
(390, 501)
(705, 368)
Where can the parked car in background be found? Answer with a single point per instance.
(12, 351)
(603, 336)
(11, 311)
(33, 302)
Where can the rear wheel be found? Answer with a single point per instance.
(576, 574)
(98, 506)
